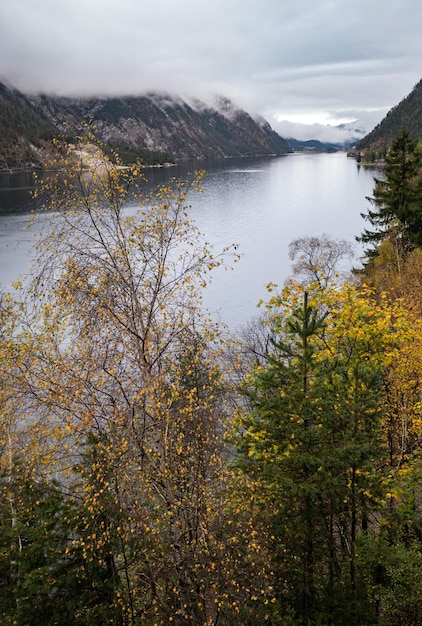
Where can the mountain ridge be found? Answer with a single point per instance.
(407, 115)
(154, 122)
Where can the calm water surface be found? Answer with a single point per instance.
(259, 204)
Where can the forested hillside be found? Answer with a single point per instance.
(407, 115)
(150, 129)
(160, 122)
(155, 471)
(24, 132)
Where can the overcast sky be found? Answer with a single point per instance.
(295, 62)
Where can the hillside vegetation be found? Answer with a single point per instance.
(24, 131)
(155, 471)
(149, 129)
(407, 115)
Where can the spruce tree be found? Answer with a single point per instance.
(397, 199)
(312, 442)
(49, 571)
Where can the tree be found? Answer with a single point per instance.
(313, 443)
(397, 198)
(318, 259)
(123, 373)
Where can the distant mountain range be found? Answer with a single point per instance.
(157, 127)
(314, 145)
(406, 115)
(153, 127)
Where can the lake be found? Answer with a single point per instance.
(261, 204)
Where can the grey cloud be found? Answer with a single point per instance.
(273, 56)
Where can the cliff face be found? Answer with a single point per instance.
(160, 122)
(153, 122)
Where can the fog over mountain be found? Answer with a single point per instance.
(328, 62)
(151, 129)
(347, 134)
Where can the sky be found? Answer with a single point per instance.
(306, 66)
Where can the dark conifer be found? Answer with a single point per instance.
(397, 199)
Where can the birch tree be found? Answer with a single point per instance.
(123, 369)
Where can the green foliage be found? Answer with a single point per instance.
(129, 155)
(128, 504)
(313, 442)
(43, 578)
(389, 554)
(125, 379)
(372, 157)
(397, 198)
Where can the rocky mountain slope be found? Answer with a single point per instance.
(136, 126)
(25, 134)
(406, 115)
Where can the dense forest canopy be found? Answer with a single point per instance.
(155, 471)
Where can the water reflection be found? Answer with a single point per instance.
(15, 191)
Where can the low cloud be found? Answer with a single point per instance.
(273, 58)
(340, 132)
(325, 134)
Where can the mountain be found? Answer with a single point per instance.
(312, 145)
(406, 115)
(348, 135)
(25, 134)
(137, 126)
(353, 133)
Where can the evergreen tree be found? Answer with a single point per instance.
(51, 571)
(279, 448)
(313, 444)
(397, 198)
